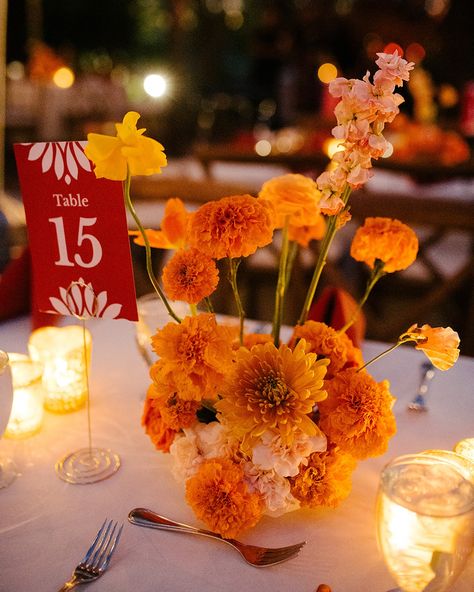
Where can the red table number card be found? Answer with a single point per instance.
(77, 231)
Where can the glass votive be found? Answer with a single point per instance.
(64, 353)
(152, 316)
(465, 448)
(27, 411)
(425, 521)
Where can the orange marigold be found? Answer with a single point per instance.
(219, 497)
(251, 339)
(293, 195)
(326, 480)
(159, 432)
(272, 389)
(325, 341)
(385, 239)
(174, 228)
(175, 412)
(357, 415)
(304, 234)
(439, 344)
(195, 357)
(233, 226)
(190, 276)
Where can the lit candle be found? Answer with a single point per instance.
(65, 354)
(26, 415)
(465, 448)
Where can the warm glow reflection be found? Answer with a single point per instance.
(263, 148)
(155, 85)
(63, 77)
(327, 72)
(26, 415)
(448, 96)
(465, 448)
(392, 47)
(331, 146)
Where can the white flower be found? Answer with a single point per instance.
(65, 158)
(80, 301)
(271, 454)
(274, 489)
(185, 454)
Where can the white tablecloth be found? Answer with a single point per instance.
(46, 524)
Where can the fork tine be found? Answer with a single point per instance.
(92, 548)
(273, 556)
(110, 548)
(102, 543)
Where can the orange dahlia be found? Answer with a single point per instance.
(295, 196)
(272, 389)
(190, 276)
(326, 480)
(159, 432)
(232, 226)
(174, 228)
(195, 357)
(220, 498)
(387, 240)
(325, 341)
(439, 344)
(357, 415)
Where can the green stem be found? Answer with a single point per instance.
(327, 240)
(149, 266)
(193, 309)
(233, 266)
(387, 351)
(293, 251)
(209, 306)
(377, 273)
(281, 286)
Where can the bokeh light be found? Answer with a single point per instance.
(327, 72)
(63, 77)
(15, 70)
(263, 148)
(448, 96)
(331, 146)
(415, 52)
(155, 85)
(392, 47)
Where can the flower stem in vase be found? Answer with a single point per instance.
(281, 286)
(322, 259)
(233, 266)
(149, 266)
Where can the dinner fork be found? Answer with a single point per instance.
(97, 558)
(257, 556)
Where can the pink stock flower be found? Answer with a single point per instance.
(394, 66)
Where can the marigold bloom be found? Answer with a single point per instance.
(233, 226)
(251, 339)
(326, 480)
(190, 276)
(159, 432)
(295, 196)
(304, 234)
(272, 389)
(385, 239)
(357, 415)
(175, 412)
(327, 342)
(220, 498)
(174, 228)
(129, 149)
(195, 357)
(439, 344)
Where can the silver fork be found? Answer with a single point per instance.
(97, 558)
(257, 556)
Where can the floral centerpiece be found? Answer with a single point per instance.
(257, 426)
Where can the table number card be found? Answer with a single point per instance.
(77, 231)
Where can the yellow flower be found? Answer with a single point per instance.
(219, 497)
(385, 239)
(129, 148)
(272, 389)
(439, 344)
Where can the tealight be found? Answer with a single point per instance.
(27, 411)
(65, 354)
(465, 448)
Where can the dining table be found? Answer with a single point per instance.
(47, 524)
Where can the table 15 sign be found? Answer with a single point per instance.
(77, 232)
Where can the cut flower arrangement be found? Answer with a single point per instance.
(256, 426)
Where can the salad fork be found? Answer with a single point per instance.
(256, 556)
(97, 558)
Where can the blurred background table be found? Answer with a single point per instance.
(46, 524)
